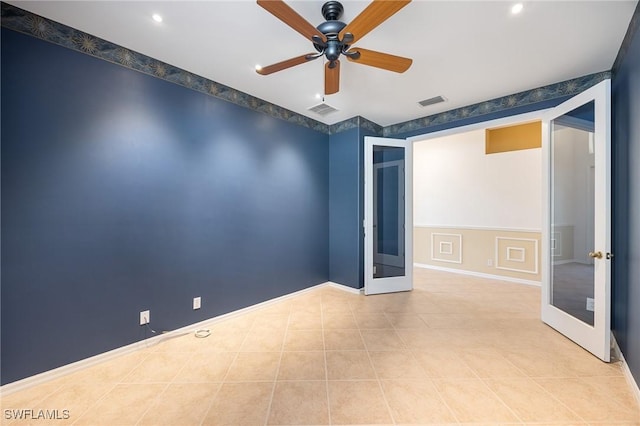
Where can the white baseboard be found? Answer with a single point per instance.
(478, 274)
(345, 288)
(56, 373)
(633, 384)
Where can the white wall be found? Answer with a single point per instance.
(456, 184)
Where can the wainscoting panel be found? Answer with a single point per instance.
(517, 254)
(510, 253)
(446, 247)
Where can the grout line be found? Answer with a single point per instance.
(157, 397)
(275, 379)
(326, 366)
(384, 396)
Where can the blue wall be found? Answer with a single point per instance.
(346, 206)
(122, 192)
(626, 199)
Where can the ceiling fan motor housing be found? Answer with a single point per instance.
(332, 11)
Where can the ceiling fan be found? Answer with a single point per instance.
(333, 38)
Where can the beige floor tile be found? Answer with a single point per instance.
(425, 339)
(305, 321)
(338, 321)
(403, 321)
(530, 402)
(396, 365)
(472, 401)
(240, 404)
(302, 366)
(69, 402)
(382, 340)
(416, 402)
(181, 404)
(111, 371)
(335, 306)
(300, 403)
(490, 363)
(443, 364)
(30, 396)
(206, 367)
(158, 367)
(263, 340)
(348, 404)
(254, 366)
(348, 365)
(124, 405)
(592, 402)
(223, 340)
(372, 321)
(304, 340)
(335, 340)
(268, 322)
(368, 305)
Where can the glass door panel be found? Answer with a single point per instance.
(572, 222)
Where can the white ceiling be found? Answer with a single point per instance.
(466, 51)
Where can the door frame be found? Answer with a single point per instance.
(389, 284)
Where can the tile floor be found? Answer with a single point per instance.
(456, 350)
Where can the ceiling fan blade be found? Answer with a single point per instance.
(331, 78)
(375, 14)
(270, 69)
(380, 60)
(286, 14)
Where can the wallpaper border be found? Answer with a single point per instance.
(45, 29)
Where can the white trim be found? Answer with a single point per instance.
(482, 228)
(535, 254)
(449, 249)
(521, 258)
(344, 288)
(635, 387)
(505, 121)
(564, 261)
(437, 259)
(56, 373)
(478, 274)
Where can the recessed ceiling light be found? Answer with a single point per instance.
(318, 96)
(156, 17)
(517, 8)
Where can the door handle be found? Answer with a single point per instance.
(596, 254)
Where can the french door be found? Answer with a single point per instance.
(576, 243)
(388, 216)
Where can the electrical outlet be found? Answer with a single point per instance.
(590, 304)
(145, 317)
(196, 303)
(489, 262)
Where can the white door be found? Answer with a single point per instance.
(576, 242)
(388, 220)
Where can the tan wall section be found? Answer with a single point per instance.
(512, 254)
(513, 138)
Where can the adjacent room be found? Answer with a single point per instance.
(320, 212)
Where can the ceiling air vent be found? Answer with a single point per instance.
(431, 101)
(323, 109)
